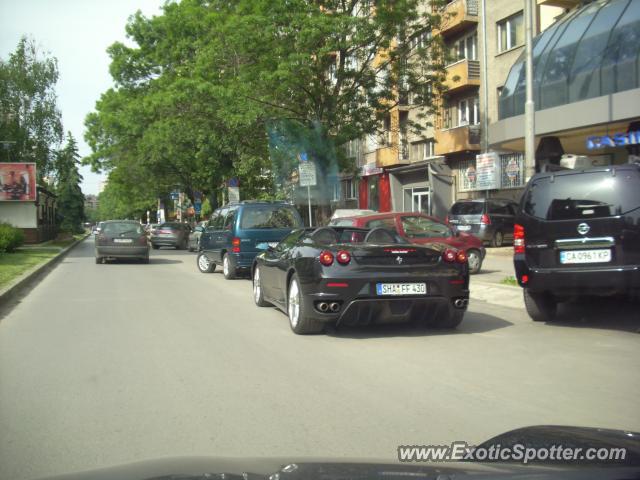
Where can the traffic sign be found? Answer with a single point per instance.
(307, 172)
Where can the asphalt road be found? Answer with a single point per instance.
(108, 364)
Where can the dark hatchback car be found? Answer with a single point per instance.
(344, 275)
(237, 232)
(171, 234)
(491, 220)
(121, 239)
(577, 233)
(421, 229)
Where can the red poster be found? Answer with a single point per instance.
(18, 182)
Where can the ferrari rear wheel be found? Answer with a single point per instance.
(258, 296)
(300, 324)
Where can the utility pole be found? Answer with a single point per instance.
(529, 106)
(484, 121)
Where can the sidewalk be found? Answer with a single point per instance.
(486, 286)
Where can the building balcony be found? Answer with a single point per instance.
(458, 15)
(391, 156)
(462, 75)
(457, 139)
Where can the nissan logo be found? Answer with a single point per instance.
(583, 229)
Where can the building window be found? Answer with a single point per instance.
(510, 32)
(465, 48)
(468, 112)
(349, 189)
(428, 149)
(417, 199)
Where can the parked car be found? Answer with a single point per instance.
(121, 239)
(96, 229)
(577, 233)
(149, 228)
(491, 220)
(171, 234)
(351, 212)
(236, 233)
(345, 275)
(194, 236)
(421, 229)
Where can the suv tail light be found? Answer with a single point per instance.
(235, 245)
(446, 220)
(518, 239)
(485, 220)
(343, 257)
(326, 258)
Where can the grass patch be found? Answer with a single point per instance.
(509, 281)
(15, 264)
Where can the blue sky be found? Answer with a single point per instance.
(77, 33)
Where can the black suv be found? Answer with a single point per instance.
(578, 233)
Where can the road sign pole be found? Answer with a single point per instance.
(309, 202)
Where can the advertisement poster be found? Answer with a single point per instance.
(487, 174)
(18, 182)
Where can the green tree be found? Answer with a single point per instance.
(28, 112)
(70, 198)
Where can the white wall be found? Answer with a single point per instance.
(19, 214)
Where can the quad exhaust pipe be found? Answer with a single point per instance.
(461, 302)
(323, 306)
(334, 307)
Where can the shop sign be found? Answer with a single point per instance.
(615, 140)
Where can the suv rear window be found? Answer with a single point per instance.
(467, 208)
(269, 217)
(583, 195)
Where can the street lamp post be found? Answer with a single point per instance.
(529, 106)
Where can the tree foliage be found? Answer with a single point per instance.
(70, 198)
(28, 112)
(208, 81)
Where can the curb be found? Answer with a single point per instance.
(496, 294)
(33, 276)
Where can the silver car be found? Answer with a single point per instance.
(121, 239)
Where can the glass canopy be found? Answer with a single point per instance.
(592, 51)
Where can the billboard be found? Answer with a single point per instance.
(18, 182)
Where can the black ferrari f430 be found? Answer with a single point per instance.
(351, 276)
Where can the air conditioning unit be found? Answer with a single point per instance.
(580, 162)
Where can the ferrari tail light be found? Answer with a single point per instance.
(449, 256)
(518, 239)
(326, 258)
(235, 245)
(461, 256)
(343, 257)
(485, 220)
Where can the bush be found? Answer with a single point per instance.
(10, 238)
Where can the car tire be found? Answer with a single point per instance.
(498, 239)
(204, 264)
(299, 323)
(154, 246)
(448, 318)
(541, 306)
(258, 296)
(228, 267)
(191, 249)
(474, 258)
(98, 260)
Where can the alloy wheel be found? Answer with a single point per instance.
(256, 285)
(294, 303)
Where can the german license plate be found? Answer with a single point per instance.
(122, 240)
(585, 256)
(463, 228)
(399, 289)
